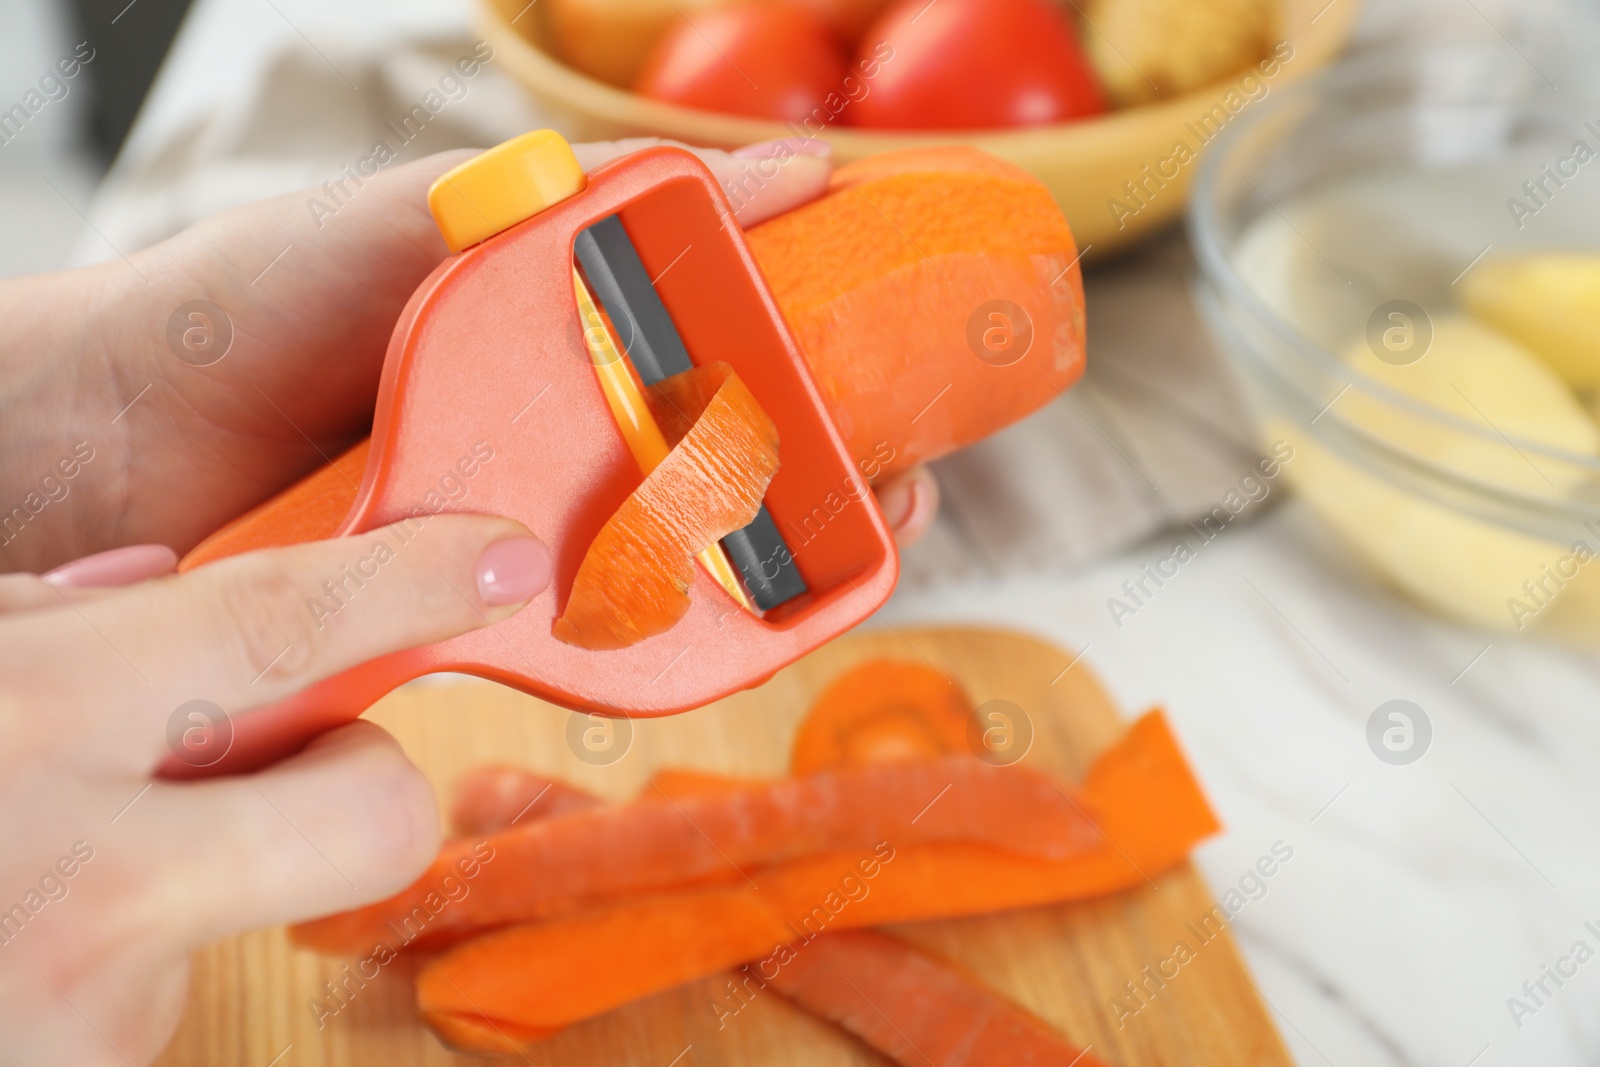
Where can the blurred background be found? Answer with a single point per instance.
(188, 108)
(41, 223)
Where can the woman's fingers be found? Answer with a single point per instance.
(83, 578)
(347, 821)
(256, 330)
(251, 630)
(910, 502)
(23, 592)
(113, 567)
(761, 180)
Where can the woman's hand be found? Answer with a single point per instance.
(108, 877)
(163, 451)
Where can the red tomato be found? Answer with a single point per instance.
(770, 60)
(974, 64)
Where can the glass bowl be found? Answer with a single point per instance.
(1338, 225)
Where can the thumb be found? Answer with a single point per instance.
(761, 180)
(346, 821)
(253, 629)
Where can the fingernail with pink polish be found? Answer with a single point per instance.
(788, 146)
(924, 503)
(513, 570)
(117, 566)
(897, 501)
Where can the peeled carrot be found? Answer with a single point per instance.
(915, 1009)
(882, 711)
(310, 510)
(936, 295)
(545, 975)
(556, 865)
(492, 798)
(886, 283)
(634, 580)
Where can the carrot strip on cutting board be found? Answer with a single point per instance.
(849, 724)
(919, 1004)
(483, 1036)
(675, 782)
(493, 797)
(546, 975)
(882, 711)
(634, 580)
(486, 983)
(915, 1009)
(556, 865)
(936, 295)
(921, 1010)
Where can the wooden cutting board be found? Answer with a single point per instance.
(250, 1003)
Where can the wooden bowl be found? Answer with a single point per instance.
(1084, 163)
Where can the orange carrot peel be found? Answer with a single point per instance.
(916, 1009)
(492, 798)
(882, 711)
(677, 782)
(310, 510)
(559, 865)
(634, 580)
(537, 977)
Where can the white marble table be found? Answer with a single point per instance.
(1419, 898)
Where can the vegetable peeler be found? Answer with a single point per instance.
(497, 355)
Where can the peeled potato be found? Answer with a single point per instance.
(1550, 303)
(1177, 45)
(1473, 569)
(1490, 382)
